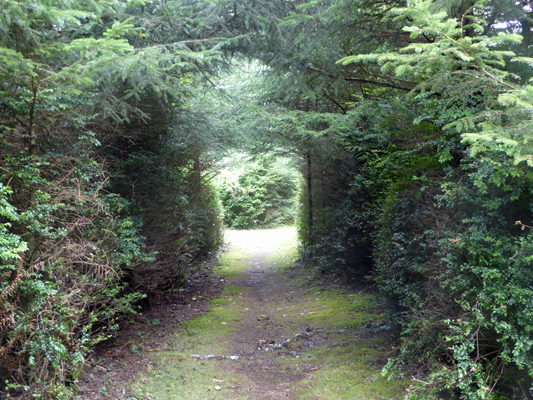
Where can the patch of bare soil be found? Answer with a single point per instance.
(257, 333)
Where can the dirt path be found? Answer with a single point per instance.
(275, 332)
(262, 336)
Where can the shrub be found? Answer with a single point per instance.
(262, 196)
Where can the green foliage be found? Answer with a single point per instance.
(76, 92)
(447, 254)
(416, 199)
(61, 286)
(459, 60)
(460, 280)
(12, 246)
(507, 128)
(410, 123)
(261, 195)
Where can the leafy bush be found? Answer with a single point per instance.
(262, 196)
(181, 212)
(466, 284)
(75, 98)
(446, 253)
(65, 250)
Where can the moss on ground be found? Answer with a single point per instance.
(176, 377)
(331, 340)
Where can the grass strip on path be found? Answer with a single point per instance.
(275, 332)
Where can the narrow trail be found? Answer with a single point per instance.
(275, 332)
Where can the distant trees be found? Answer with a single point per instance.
(262, 195)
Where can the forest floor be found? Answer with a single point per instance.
(258, 325)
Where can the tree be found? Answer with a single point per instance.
(451, 65)
(75, 98)
(262, 195)
(459, 65)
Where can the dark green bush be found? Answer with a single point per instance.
(458, 268)
(447, 252)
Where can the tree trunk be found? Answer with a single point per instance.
(32, 142)
(310, 190)
(196, 179)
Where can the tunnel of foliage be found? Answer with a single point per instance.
(410, 122)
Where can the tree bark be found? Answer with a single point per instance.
(310, 190)
(32, 145)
